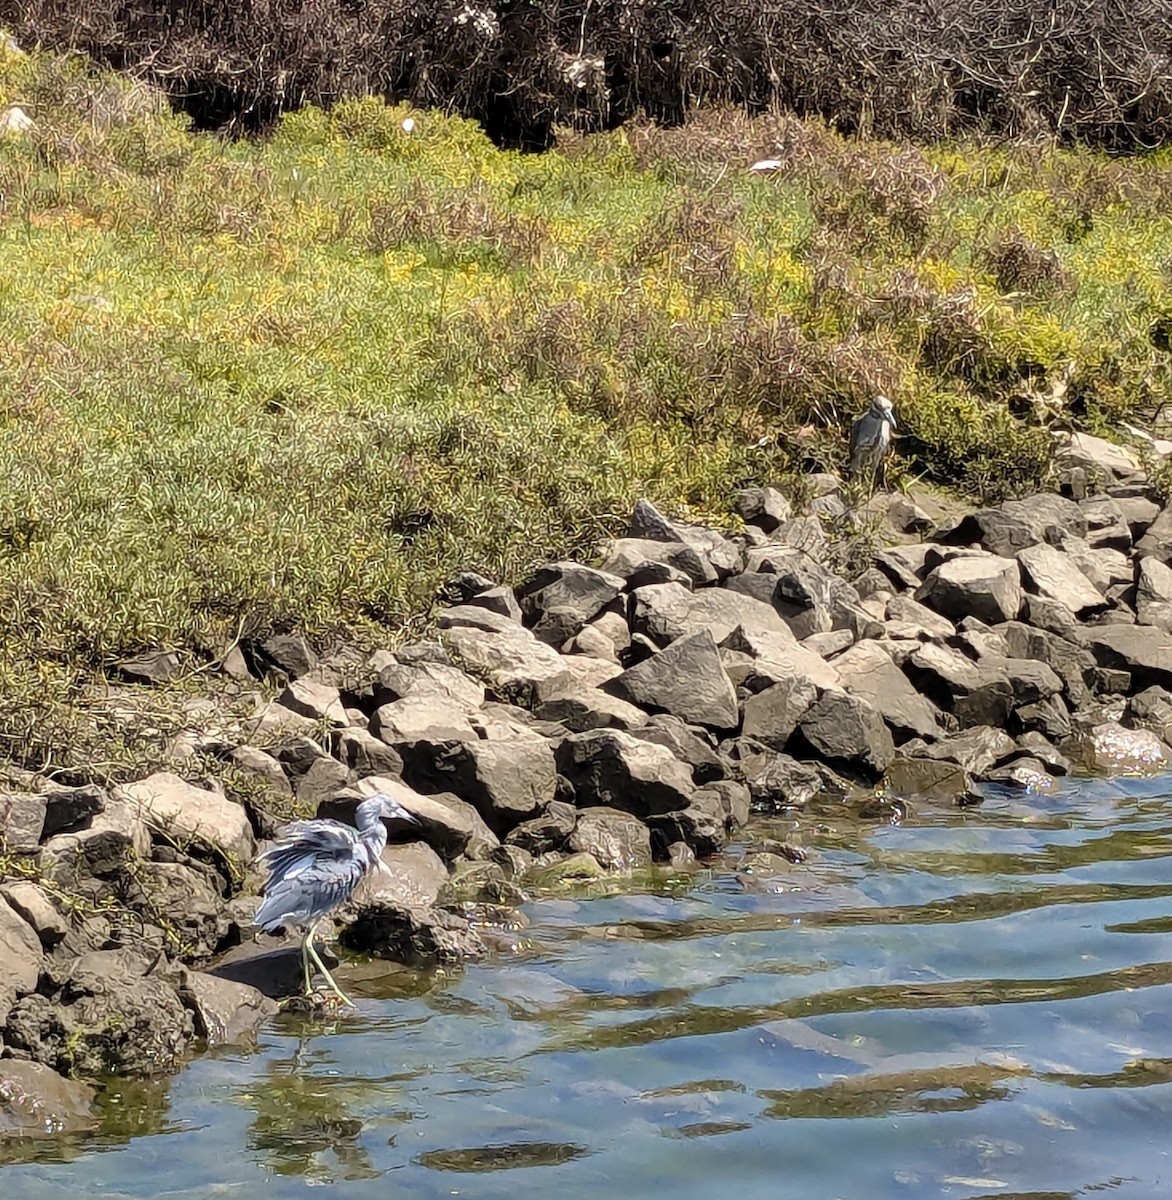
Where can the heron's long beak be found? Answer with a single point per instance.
(894, 422)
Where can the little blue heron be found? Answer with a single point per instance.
(315, 867)
(871, 439)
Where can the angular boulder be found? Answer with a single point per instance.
(618, 770)
(867, 671)
(180, 810)
(562, 597)
(1052, 574)
(848, 733)
(667, 611)
(985, 586)
(618, 840)
(1153, 594)
(686, 679)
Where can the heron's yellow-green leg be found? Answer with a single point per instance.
(305, 961)
(321, 966)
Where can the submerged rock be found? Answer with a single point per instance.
(35, 1101)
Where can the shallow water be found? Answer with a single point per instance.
(970, 1004)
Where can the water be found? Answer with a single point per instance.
(969, 1005)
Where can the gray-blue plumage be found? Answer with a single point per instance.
(871, 439)
(315, 868)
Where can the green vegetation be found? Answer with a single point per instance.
(298, 383)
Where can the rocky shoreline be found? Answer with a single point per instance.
(596, 720)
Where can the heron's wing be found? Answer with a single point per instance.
(314, 867)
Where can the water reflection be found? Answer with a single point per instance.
(963, 1005)
(303, 1124)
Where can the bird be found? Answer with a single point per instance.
(315, 866)
(871, 439)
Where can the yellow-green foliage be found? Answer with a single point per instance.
(298, 382)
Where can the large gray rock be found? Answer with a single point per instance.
(506, 781)
(1071, 662)
(1098, 454)
(664, 612)
(638, 560)
(849, 733)
(546, 831)
(686, 679)
(184, 901)
(703, 826)
(985, 586)
(692, 746)
(1157, 541)
(974, 750)
(22, 818)
(106, 1015)
(1052, 574)
(772, 714)
(31, 901)
(1119, 751)
(562, 597)
(721, 556)
(583, 708)
(908, 618)
(401, 723)
(927, 778)
(618, 840)
(1153, 594)
(618, 770)
(1151, 709)
(361, 752)
(1107, 525)
(512, 659)
(776, 657)
(314, 700)
(867, 671)
(810, 598)
(778, 781)
(1018, 524)
(399, 914)
(90, 860)
(433, 681)
(1030, 681)
(226, 1013)
(1142, 650)
(36, 1102)
(977, 694)
(180, 810)
(263, 766)
(764, 507)
(20, 957)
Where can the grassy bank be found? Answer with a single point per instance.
(297, 383)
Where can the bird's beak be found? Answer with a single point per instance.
(410, 817)
(894, 422)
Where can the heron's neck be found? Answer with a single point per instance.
(374, 838)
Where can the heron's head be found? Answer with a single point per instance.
(884, 410)
(380, 805)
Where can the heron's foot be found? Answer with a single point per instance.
(316, 1003)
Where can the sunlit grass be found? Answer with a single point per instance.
(297, 383)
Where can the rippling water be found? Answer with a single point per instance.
(972, 1004)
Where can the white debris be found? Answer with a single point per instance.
(408, 125)
(15, 120)
(767, 165)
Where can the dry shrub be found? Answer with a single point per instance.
(1023, 268)
(459, 221)
(899, 68)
